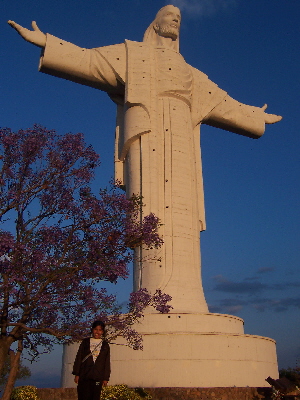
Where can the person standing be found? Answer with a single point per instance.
(92, 364)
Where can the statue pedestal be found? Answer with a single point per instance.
(189, 350)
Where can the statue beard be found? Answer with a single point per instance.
(167, 31)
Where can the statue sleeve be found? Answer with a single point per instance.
(89, 67)
(237, 117)
(212, 106)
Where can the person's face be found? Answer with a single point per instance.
(168, 23)
(97, 332)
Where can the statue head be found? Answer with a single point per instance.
(166, 24)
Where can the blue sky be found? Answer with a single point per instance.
(250, 251)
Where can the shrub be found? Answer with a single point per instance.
(24, 393)
(123, 392)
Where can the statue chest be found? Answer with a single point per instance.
(173, 75)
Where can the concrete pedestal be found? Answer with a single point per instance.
(189, 350)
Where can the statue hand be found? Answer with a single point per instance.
(36, 36)
(270, 118)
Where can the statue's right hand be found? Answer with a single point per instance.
(36, 36)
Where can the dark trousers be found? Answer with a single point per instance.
(89, 389)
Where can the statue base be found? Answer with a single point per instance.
(189, 350)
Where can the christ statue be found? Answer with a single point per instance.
(161, 103)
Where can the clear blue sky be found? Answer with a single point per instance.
(250, 251)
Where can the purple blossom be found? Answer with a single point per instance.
(6, 242)
(59, 241)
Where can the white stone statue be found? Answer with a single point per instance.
(161, 103)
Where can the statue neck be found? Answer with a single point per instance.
(165, 42)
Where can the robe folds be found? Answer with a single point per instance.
(161, 102)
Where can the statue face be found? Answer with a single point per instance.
(168, 22)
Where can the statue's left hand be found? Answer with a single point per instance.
(271, 118)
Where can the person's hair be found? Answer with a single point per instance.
(150, 33)
(98, 323)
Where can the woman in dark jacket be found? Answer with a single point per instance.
(92, 364)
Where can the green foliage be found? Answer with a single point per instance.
(293, 374)
(24, 393)
(123, 392)
(23, 373)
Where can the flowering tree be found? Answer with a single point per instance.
(58, 241)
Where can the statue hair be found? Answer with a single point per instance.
(150, 35)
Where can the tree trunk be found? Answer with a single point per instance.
(14, 368)
(5, 343)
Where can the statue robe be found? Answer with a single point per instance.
(161, 102)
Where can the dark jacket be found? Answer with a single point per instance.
(88, 369)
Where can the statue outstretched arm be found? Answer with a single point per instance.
(240, 118)
(68, 61)
(101, 68)
(35, 36)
